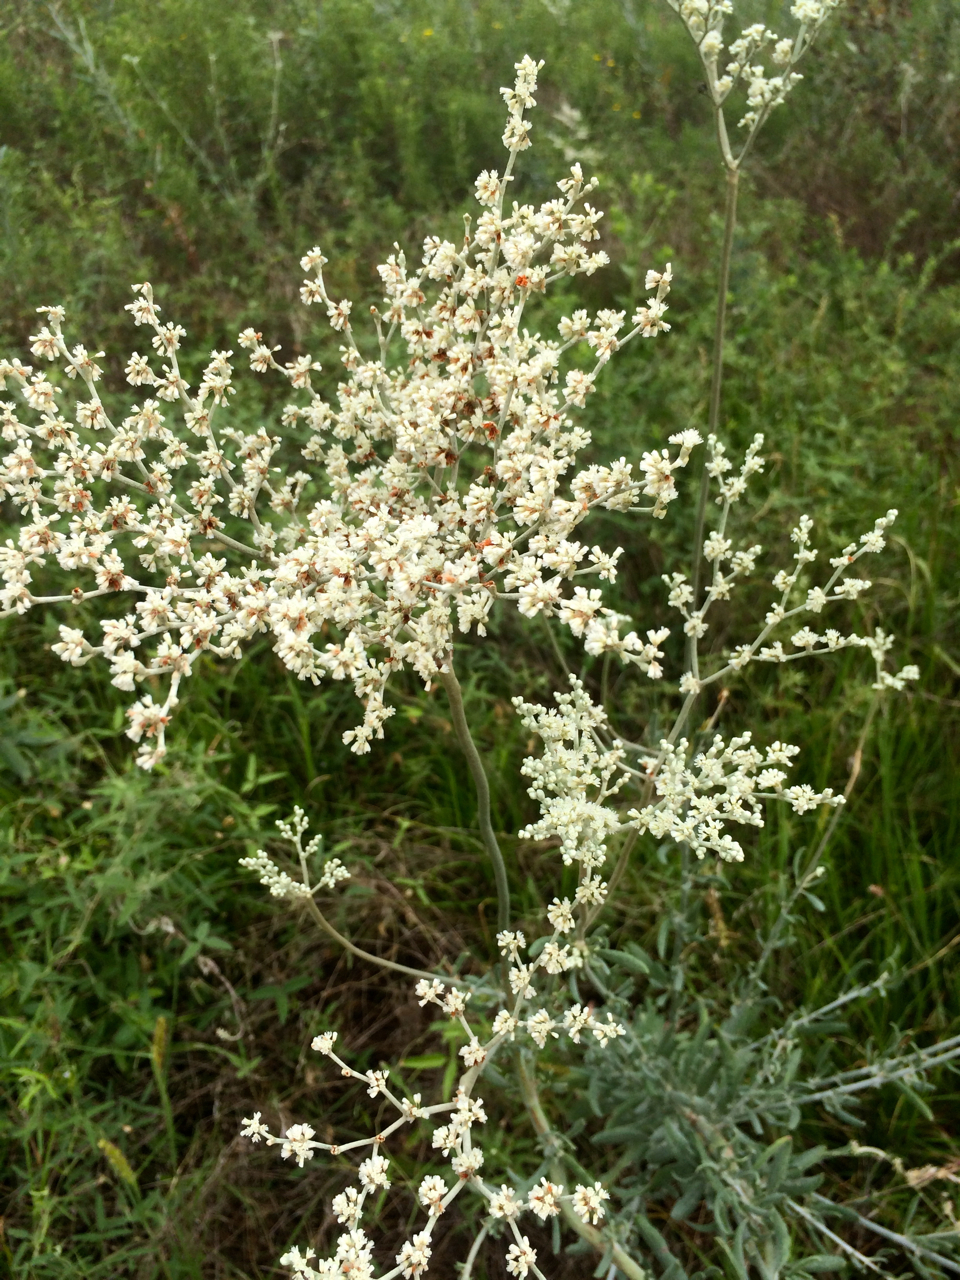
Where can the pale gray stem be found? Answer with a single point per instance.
(354, 950)
(860, 1259)
(716, 386)
(808, 875)
(475, 1248)
(904, 1242)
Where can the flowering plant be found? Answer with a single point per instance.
(442, 479)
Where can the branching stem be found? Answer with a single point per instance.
(911, 1246)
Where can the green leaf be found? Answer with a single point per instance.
(425, 1061)
(777, 1160)
(632, 964)
(621, 1133)
(688, 1201)
(915, 1098)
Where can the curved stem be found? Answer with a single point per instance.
(451, 684)
(679, 937)
(716, 386)
(719, 333)
(354, 950)
(531, 1098)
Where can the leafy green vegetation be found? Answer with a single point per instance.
(149, 995)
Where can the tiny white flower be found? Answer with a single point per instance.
(560, 915)
(588, 1202)
(324, 1042)
(544, 1199)
(431, 1192)
(505, 1204)
(520, 1258)
(373, 1173)
(298, 1142)
(253, 1129)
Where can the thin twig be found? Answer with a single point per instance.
(804, 881)
(859, 1258)
(904, 1242)
(354, 950)
(716, 387)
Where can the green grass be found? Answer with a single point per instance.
(121, 892)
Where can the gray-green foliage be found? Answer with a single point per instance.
(703, 1104)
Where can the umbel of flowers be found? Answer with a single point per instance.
(442, 479)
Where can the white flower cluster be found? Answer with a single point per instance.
(454, 1137)
(765, 86)
(723, 784)
(280, 883)
(441, 476)
(582, 768)
(690, 792)
(571, 782)
(537, 1017)
(792, 604)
